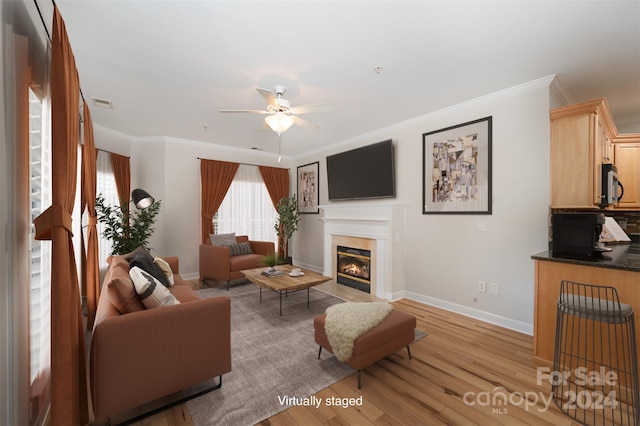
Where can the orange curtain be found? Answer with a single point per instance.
(277, 183)
(89, 183)
(122, 175)
(68, 364)
(216, 178)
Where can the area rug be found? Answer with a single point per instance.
(272, 356)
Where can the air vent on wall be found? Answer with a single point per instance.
(102, 103)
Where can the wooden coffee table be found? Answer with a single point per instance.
(284, 284)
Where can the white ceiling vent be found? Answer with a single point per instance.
(102, 103)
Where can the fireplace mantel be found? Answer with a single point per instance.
(361, 212)
(381, 223)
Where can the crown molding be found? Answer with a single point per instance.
(561, 92)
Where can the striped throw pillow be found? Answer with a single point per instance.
(151, 291)
(240, 248)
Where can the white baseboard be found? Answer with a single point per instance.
(509, 323)
(190, 276)
(308, 266)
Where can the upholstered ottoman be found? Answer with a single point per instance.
(396, 331)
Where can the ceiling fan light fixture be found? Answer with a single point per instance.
(279, 122)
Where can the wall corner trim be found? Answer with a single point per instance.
(560, 91)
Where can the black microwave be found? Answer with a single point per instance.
(612, 189)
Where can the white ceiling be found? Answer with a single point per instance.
(170, 66)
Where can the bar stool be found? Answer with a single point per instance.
(595, 365)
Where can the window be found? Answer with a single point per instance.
(40, 287)
(247, 208)
(105, 185)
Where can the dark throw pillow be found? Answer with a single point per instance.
(141, 258)
(240, 248)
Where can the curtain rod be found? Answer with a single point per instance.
(46, 30)
(244, 164)
(109, 152)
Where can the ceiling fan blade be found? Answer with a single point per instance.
(252, 111)
(304, 109)
(303, 123)
(268, 96)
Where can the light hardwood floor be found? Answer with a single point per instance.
(454, 369)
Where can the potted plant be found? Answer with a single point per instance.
(126, 229)
(271, 260)
(287, 222)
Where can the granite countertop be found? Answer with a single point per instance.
(623, 256)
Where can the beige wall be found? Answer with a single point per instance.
(445, 255)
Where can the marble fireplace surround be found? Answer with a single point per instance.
(378, 228)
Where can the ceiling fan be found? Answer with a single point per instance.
(280, 114)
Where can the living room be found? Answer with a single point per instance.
(437, 259)
(428, 243)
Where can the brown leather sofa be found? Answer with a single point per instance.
(396, 331)
(216, 262)
(139, 355)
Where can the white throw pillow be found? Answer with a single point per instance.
(165, 268)
(222, 239)
(151, 291)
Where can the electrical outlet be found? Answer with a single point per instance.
(482, 286)
(494, 288)
(482, 226)
(184, 259)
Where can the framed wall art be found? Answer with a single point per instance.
(308, 192)
(456, 169)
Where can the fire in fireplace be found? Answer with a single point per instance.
(354, 268)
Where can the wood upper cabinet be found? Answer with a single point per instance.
(627, 161)
(581, 137)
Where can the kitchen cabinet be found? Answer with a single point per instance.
(627, 161)
(581, 141)
(549, 272)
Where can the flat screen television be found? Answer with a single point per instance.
(365, 172)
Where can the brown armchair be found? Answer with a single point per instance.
(217, 263)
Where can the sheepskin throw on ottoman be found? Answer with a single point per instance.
(347, 321)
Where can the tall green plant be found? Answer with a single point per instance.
(126, 229)
(287, 222)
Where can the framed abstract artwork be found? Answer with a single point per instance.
(308, 188)
(456, 169)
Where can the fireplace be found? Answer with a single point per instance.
(353, 268)
(376, 227)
